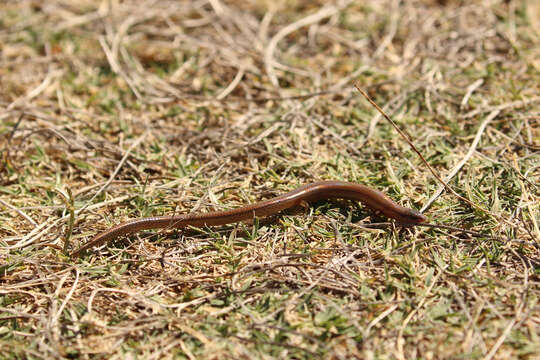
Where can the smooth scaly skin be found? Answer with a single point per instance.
(321, 190)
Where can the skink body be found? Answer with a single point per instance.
(312, 192)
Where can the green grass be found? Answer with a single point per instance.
(316, 283)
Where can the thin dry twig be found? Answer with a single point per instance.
(18, 211)
(505, 106)
(446, 186)
(470, 89)
(463, 161)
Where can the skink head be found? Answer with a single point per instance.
(410, 216)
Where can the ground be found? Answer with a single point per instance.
(115, 110)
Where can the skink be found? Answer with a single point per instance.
(312, 192)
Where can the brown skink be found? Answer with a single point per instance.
(321, 190)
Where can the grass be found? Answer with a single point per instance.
(117, 110)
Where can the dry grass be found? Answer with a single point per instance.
(142, 108)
